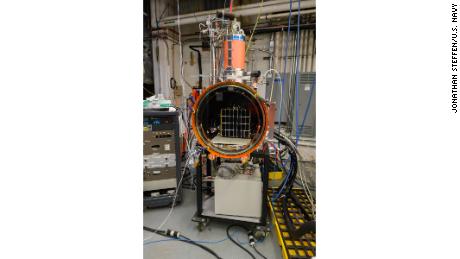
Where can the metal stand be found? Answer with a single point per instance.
(204, 169)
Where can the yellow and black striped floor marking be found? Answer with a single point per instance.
(305, 247)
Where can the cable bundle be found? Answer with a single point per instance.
(285, 191)
(289, 180)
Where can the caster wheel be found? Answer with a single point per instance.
(260, 235)
(201, 226)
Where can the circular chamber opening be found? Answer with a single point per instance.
(230, 120)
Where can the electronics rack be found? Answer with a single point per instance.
(161, 133)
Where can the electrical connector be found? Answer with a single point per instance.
(252, 240)
(173, 233)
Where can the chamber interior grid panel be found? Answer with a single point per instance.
(235, 122)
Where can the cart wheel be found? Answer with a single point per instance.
(201, 226)
(260, 235)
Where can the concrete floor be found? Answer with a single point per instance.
(215, 231)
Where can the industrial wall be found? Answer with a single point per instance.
(257, 58)
(166, 53)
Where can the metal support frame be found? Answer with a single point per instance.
(200, 218)
(308, 226)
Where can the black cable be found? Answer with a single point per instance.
(259, 253)
(236, 243)
(310, 225)
(288, 183)
(179, 237)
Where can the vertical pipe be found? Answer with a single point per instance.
(264, 176)
(279, 48)
(271, 47)
(309, 53)
(213, 56)
(200, 67)
(208, 173)
(284, 69)
(297, 78)
(313, 61)
(305, 50)
(199, 190)
(292, 77)
(275, 53)
(302, 49)
(157, 64)
(213, 63)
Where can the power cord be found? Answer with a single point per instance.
(236, 243)
(178, 236)
(259, 253)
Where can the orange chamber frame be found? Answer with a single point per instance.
(230, 120)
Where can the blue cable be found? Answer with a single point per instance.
(211, 242)
(285, 64)
(278, 193)
(158, 241)
(284, 182)
(196, 241)
(297, 75)
(285, 162)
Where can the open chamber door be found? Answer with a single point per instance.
(230, 120)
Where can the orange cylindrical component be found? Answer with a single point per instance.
(236, 53)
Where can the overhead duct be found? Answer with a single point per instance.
(286, 14)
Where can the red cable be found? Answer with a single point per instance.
(231, 5)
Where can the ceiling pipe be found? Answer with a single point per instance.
(281, 28)
(281, 15)
(212, 12)
(243, 10)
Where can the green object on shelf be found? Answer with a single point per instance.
(165, 103)
(157, 103)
